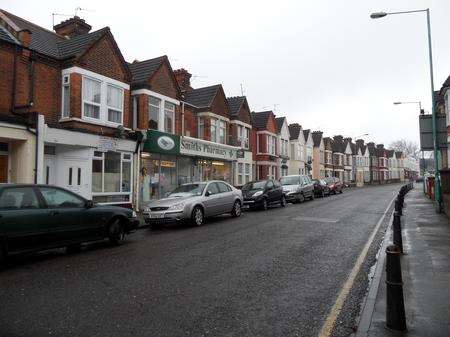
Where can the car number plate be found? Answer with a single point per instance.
(156, 215)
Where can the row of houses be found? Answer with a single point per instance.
(74, 113)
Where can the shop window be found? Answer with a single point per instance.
(154, 107)
(240, 173)
(114, 103)
(66, 96)
(91, 98)
(169, 117)
(247, 173)
(111, 176)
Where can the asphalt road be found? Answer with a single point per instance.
(274, 273)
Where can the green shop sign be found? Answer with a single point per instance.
(162, 142)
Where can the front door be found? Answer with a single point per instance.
(75, 175)
(3, 168)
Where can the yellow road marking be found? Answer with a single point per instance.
(327, 327)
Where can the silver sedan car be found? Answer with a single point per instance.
(194, 202)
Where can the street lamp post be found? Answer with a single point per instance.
(437, 184)
(423, 158)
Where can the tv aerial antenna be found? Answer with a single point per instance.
(78, 9)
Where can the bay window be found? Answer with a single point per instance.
(213, 129)
(101, 101)
(240, 173)
(154, 107)
(247, 173)
(243, 136)
(111, 176)
(169, 117)
(272, 145)
(114, 103)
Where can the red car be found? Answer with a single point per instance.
(334, 184)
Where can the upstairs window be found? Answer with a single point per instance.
(214, 122)
(91, 98)
(169, 117)
(201, 128)
(243, 136)
(66, 96)
(222, 132)
(115, 104)
(154, 107)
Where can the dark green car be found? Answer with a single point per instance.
(38, 217)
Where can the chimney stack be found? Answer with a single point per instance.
(72, 27)
(184, 79)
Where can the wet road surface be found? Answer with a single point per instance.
(274, 273)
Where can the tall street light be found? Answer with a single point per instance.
(437, 183)
(423, 158)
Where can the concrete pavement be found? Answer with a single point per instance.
(426, 274)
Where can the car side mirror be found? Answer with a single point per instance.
(207, 193)
(89, 204)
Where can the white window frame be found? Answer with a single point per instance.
(240, 172)
(150, 105)
(103, 113)
(201, 127)
(114, 108)
(247, 171)
(222, 126)
(164, 116)
(65, 85)
(122, 160)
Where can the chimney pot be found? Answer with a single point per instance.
(183, 78)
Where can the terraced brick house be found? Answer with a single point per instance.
(309, 144)
(156, 99)
(400, 165)
(338, 147)
(205, 151)
(363, 163)
(240, 134)
(283, 136)
(348, 161)
(328, 153)
(383, 164)
(296, 150)
(374, 163)
(265, 152)
(72, 87)
(318, 161)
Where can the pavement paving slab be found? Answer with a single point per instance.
(425, 272)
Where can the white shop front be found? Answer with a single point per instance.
(97, 167)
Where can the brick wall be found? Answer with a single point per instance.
(163, 82)
(219, 105)
(6, 77)
(190, 121)
(103, 58)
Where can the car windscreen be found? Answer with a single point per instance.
(254, 185)
(188, 189)
(290, 180)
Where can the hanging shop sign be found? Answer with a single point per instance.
(202, 148)
(162, 142)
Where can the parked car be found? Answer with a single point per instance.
(39, 217)
(321, 189)
(263, 193)
(334, 184)
(297, 188)
(194, 202)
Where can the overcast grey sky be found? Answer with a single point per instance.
(324, 64)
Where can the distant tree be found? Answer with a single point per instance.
(408, 147)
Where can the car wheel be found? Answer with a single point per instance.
(197, 216)
(237, 209)
(74, 248)
(283, 201)
(301, 198)
(264, 205)
(116, 232)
